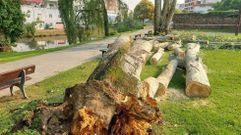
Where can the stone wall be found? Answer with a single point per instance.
(204, 21)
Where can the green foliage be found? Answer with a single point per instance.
(144, 10)
(228, 13)
(11, 20)
(128, 25)
(29, 29)
(68, 17)
(227, 5)
(219, 35)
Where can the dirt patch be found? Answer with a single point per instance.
(173, 95)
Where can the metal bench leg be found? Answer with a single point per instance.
(11, 90)
(21, 85)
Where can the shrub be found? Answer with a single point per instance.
(29, 29)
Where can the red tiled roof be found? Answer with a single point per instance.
(32, 1)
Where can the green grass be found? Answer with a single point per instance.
(213, 35)
(218, 114)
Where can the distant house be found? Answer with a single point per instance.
(199, 6)
(46, 13)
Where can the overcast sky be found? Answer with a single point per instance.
(133, 3)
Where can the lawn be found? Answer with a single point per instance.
(218, 114)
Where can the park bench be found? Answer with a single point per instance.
(137, 36)
(106, 49)
(16, 77)
(149, 33)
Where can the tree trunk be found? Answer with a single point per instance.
(172, 46)
(238, 23)
(108, 103)
(158, 4)
(167, 15)
(157, 56)
(197, 83)
(165, 77)
(161, 45)
(105, 17)
(179, 52)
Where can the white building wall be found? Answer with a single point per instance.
(48, 16)
(203, 10)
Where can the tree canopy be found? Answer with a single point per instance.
(144, 10)
(11, 20)
(227, 5)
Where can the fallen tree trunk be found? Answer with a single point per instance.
(173, 46)
(108, 103)
(165, 77)
(161, 45)
(197, 83)
(179, 52)
(157, 56)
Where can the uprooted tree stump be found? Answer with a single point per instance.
(108, 103)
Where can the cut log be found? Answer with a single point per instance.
(108, 103)
(161, 45)
(173, 46)
(149, 87)
(165, 77)
(197, 83)
(157, 56)
(179, 52)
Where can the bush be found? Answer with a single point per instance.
(128, 25)
(29, 29)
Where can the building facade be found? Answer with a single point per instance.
(47, 15)
(199, 6)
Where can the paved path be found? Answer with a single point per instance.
(50, 64)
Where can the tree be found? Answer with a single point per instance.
(157, 19)
(166, 15)
(105, 17)
(68, 18)
(227, 5)
(144, 10)
(113, 101)
(11, 21)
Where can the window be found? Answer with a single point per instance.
(51, 5)
(50, 15)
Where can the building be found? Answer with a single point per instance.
(199, 6)
(189, 4)
(46, 12)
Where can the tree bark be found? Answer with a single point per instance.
(197, 83)
(173, 46)
(238, 23)
(165, 77)
(179, 52)
(108, 103)
(157, 56)
(158, 4)
(105, 17)
(167, 15)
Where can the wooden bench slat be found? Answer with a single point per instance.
(7, 84)
(11, 75)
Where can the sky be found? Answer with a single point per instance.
(133, 3)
